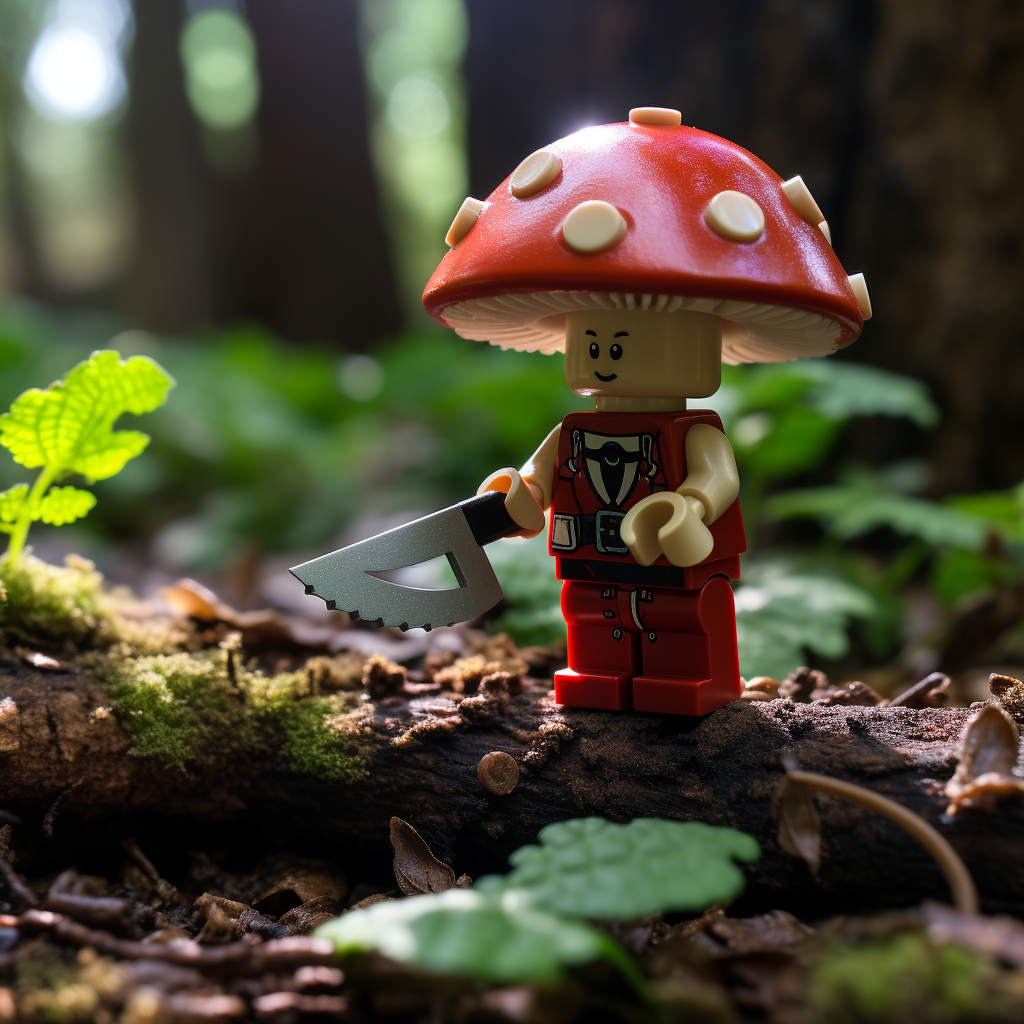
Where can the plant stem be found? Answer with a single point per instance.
(965, 895)
(20, 530)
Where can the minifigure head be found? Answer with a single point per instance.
(639, 353)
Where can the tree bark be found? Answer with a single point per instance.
(724, 769)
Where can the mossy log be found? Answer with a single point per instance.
(61, 744)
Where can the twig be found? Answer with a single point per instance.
(233, 959)
(51, 814)
(965, 895)
(22, 894)
(132, 849)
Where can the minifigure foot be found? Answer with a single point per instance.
(682, 696)
(592, 690)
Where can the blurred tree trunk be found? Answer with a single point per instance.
(903, 117)
(296, 241)
(938, 215)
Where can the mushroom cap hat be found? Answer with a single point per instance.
(647, 216)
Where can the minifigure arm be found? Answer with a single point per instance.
(675, 524)
(711, 476)
(539, 471)
(528, 491)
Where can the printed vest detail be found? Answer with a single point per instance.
(607, 462)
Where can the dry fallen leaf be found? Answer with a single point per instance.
(762, 933)
(1001, 937)
(988, 754)
(304, 920)
(299, 884)
(262, 628)
(221, 918)
(417, 869)
(1010, 692)
(799, 823)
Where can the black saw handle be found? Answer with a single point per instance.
(487, 517)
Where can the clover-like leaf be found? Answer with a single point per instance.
(495, 937)
(12, 501)
(64, 505)
(68, 426)
(596, 869)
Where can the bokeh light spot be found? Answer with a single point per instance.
(73, 74)
(219, 55)
(361, 377)
(418, 107)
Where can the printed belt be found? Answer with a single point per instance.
(570, 532)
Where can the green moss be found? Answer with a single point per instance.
(185, 710)
(180, 707)
(51, 604)
(906, 978)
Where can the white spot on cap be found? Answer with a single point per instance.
(860, 289)
(593, 226)
(464, 220)
(656, 115)
(735, 216)
(535, 173)
(803, 202)
(823, 228)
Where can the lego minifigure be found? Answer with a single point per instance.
(648, 252)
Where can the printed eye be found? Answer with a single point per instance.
(594, 351)
(616, 352)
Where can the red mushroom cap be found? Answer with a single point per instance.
(511, 275)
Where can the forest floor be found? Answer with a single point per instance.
(134, 889)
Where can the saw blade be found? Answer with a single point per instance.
(342, 578)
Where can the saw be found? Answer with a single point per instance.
(350, 579)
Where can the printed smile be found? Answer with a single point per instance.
(601, 376)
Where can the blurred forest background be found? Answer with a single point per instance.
(256, 192)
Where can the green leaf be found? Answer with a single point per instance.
(1002, 510)
(797, 439)
(64, 505)
(497, 938)
(594, 868)
(12, 501)
(780, 617)
(851, 511)
(68, 427)
(844, 390)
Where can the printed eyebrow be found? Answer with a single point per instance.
(621, 334)
(593, 334)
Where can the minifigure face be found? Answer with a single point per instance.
(643, 354)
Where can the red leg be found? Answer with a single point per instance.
(603, 657)
(689, 656)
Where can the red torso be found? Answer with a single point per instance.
(607, 462)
